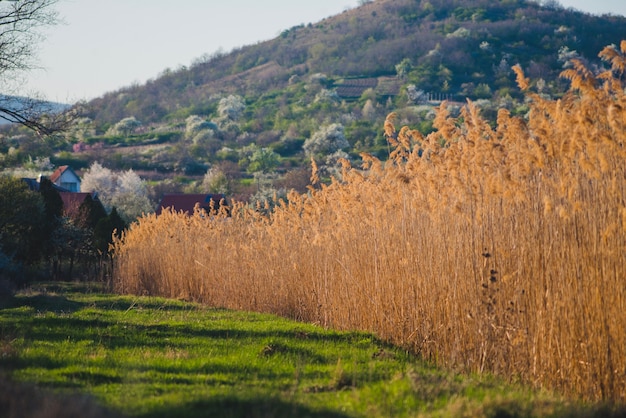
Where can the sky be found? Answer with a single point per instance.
(102, 46)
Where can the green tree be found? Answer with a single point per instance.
(52, 200)
(404, 68)
(76, 239)
(53, 212)
(263, 160)
(22, 215)
(91, 211)
(104, 230)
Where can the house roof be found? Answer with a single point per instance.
(356, 86)
(72, 202)
(59, 172)
(33, 184)
(186, 203)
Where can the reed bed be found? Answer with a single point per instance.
(498, 249)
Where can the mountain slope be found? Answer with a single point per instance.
(451, 42)
(256, 116)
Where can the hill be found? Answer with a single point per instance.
(457, 42)
(257, 114)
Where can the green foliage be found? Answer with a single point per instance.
(22, 215)
(152, 357)
(263, 160)
(288, 146)
(393, 29)
(52, 200)
(39, 237)
(106, 228)
(294, 85)
(91, 211)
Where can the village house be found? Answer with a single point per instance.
(66, 182)
(66, 178)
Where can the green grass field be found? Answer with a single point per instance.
(151, 357)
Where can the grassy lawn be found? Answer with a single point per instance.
(151, 357)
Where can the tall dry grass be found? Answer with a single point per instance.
(484, 249)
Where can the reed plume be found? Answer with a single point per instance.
(485, 249)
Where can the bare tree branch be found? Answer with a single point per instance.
(19, 24)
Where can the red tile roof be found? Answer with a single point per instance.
(186, 202)
(58, 173)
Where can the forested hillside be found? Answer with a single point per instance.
(445, 45)
(247, 123)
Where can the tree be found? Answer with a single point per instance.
(416, 96)
(105, 228)
(195, 124)
(81, 129)
(404, 68)
(126, 191)
(327, 140)
(215, 181)
(369, 110)
(126, 126)
(19, 21)
(22, 213)
(52, 199)
(263, 160)
(231, 107)
(101, 180)
(132, 205)
(53, 212)
(90, 212)
(76, 239)
(552, 4)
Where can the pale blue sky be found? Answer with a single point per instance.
(106, 45)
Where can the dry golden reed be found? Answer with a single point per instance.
(484, 249)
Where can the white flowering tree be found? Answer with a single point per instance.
(125, 126)
(327, 96)
(414, 95)
(326, 141)
(231, 107)
(195, 124)
(131, 196)
(215, 181)
(99, 179)
(81, 129)
(125, 191)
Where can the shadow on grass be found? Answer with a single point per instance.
(43, 303)
(232, 407)
(20, 400)
(63, 325)
(51, 299)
